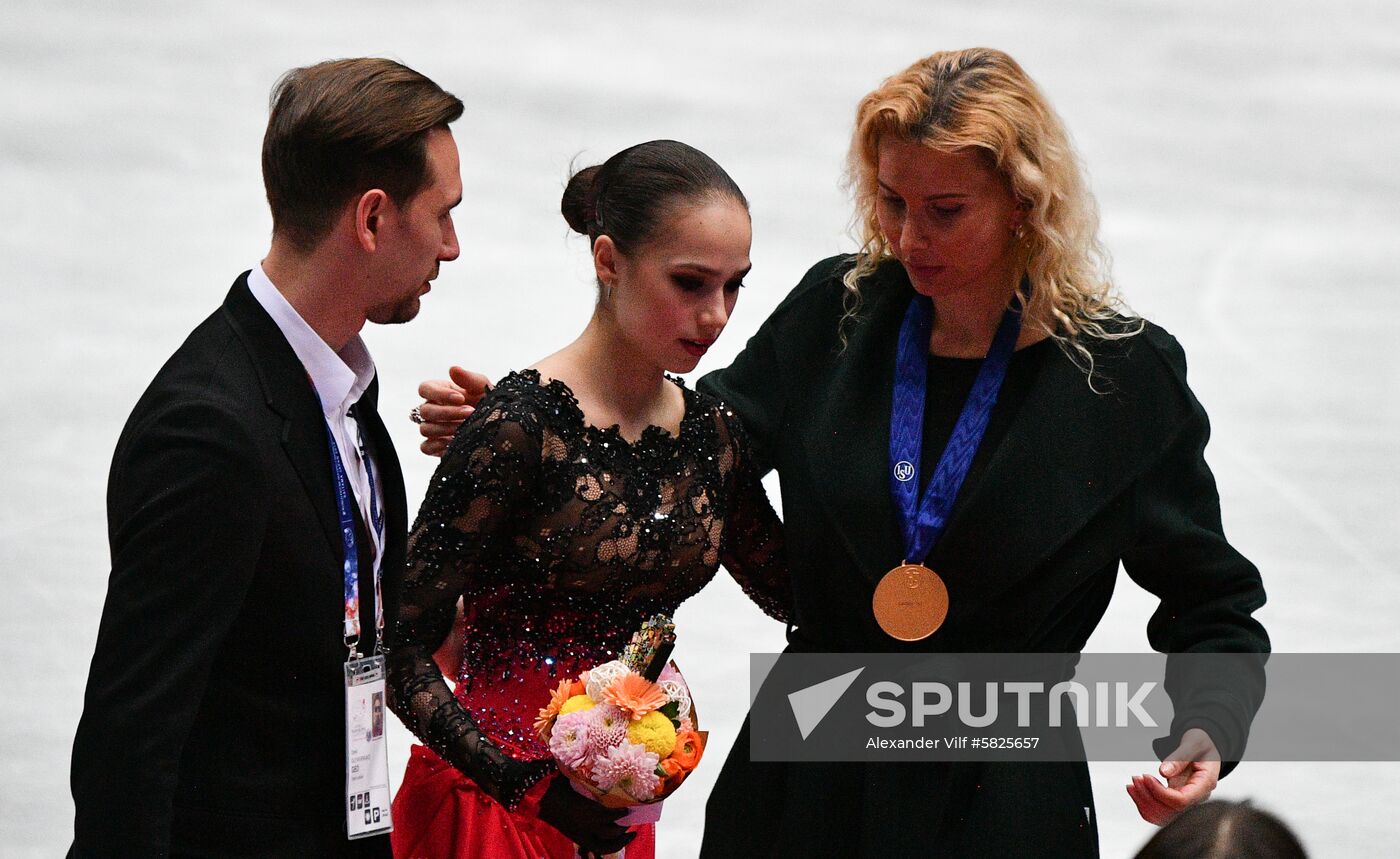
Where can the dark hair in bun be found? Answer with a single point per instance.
(1224, 828)
(629, 196)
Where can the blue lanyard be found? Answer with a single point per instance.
(924, 524)
(352, 556)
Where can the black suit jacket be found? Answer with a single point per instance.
(1081, 481)
(213, 723)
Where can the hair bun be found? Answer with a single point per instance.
(578, 202)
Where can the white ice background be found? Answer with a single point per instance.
(1243, 155)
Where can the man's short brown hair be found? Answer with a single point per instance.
(340, 128)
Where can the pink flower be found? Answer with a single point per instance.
(569, 743)
(607, 727)
(630, 767)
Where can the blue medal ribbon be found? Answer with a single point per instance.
(924, 520)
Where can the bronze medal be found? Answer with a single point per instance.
(910, 603)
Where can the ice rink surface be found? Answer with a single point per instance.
(1242, 153)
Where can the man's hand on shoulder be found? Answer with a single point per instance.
(446, 403)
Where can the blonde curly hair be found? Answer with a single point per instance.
(981, 97)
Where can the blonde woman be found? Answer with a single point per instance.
(979, 246)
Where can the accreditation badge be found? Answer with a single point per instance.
(366, 749)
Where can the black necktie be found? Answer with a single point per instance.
(364, 547)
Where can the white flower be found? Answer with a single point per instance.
(601, 677)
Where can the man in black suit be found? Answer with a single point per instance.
(214, 722)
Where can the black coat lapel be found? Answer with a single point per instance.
(1040, 488)
(846, 433)
(290, 394)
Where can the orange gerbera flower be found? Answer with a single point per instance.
(635, 695)
(556, 700)
(689, 747)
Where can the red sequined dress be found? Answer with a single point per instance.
(561, 538)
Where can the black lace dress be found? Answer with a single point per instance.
(562, 538)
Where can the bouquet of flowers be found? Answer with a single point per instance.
(625, 732)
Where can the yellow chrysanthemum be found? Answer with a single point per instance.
(576, 703)
(654, 731)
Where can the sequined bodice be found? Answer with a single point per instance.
(561, 538)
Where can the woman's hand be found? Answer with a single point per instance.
(590, 825)
(446, 403)
(1192, 771)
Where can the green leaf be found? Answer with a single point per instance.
(672, 711)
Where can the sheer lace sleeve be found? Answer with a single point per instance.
(753, 549)
(486, 476)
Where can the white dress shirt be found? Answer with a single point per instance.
(339, 379)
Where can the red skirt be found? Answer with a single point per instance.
(441, 814)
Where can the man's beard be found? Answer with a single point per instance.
(396, 313)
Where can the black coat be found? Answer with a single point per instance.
(1081, 482)
(213, 723)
